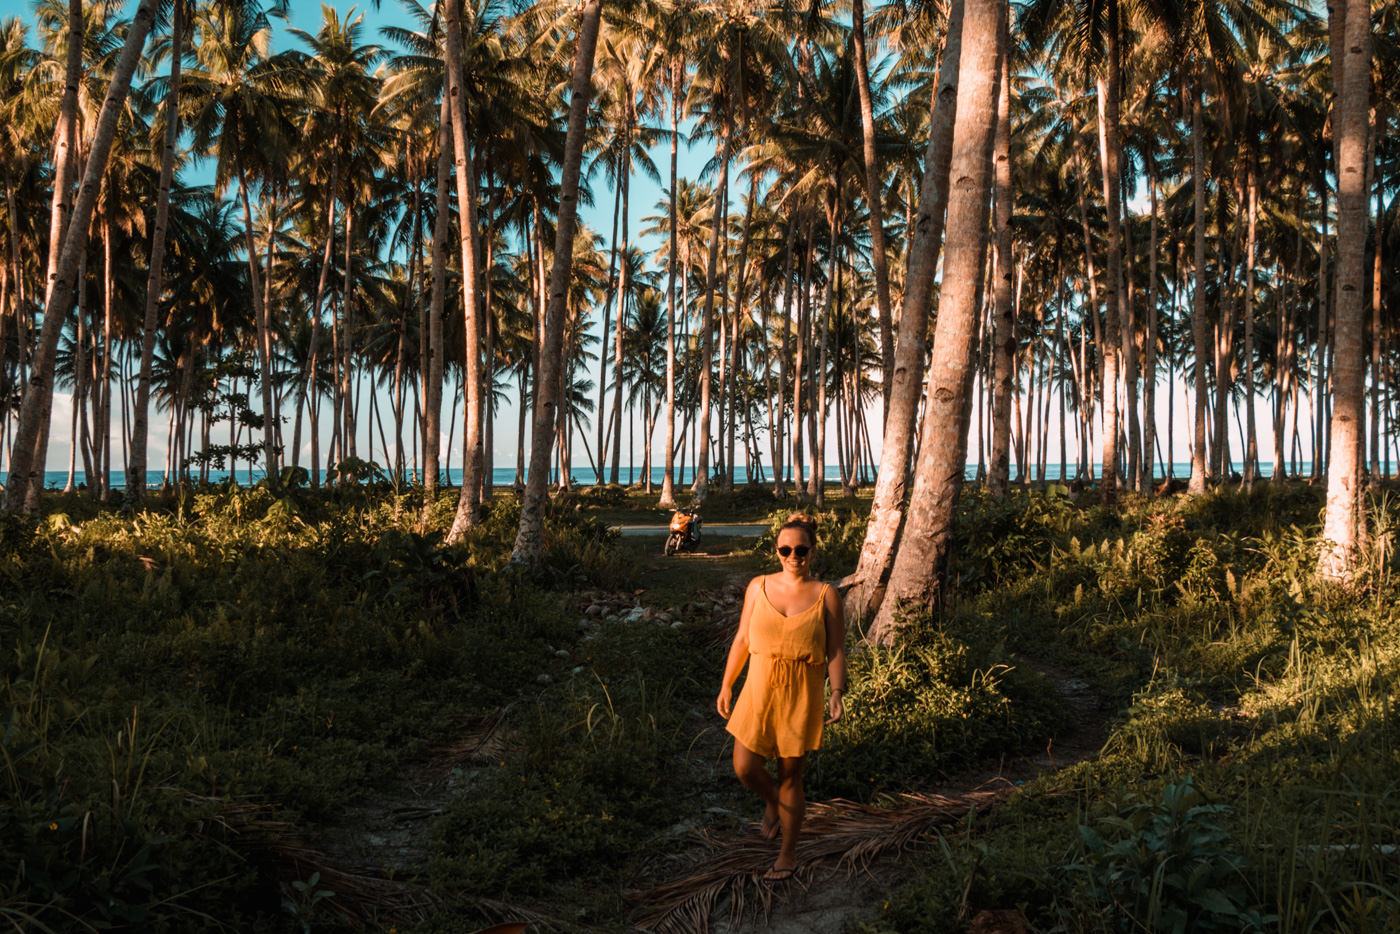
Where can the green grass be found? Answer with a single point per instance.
(1249, 778)
(191, 688)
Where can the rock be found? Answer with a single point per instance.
(595, 609)
(561, 653)
(634, 614)
(543, 679)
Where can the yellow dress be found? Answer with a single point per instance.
(780, 709)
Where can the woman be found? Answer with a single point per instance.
(792, 633)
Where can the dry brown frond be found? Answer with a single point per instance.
(479, 741)
(838, 834)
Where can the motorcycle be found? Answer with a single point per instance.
(685, 531)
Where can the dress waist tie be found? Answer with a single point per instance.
(784, 670)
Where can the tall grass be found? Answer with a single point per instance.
(1249, 779)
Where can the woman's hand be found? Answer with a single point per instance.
(723, 703)
(834, 707)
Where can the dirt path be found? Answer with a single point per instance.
(849, 857)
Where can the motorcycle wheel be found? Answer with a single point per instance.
(670, 547)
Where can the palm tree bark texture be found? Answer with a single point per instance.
(529, 539)
(917, 576)
(887, 507)
(469, 497)
(1351, 75)
(1004, 324)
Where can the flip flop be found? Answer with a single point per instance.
(774, 876)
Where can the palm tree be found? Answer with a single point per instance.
(925, 240)
(136, 464)
(529, 538)
(1344, 521)
(31, 437)
(916, 577)
(644, 368)
(873, 194)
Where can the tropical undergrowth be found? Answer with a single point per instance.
(1249, 779)
(194, 689)
(231, 652)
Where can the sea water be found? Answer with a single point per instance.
(586, 476)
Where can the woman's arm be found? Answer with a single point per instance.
(835, 616)
(738, 653)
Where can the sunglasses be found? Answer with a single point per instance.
(800, 550)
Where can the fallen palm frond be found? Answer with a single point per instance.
(479, 740)
(839, 834)
(358, 894)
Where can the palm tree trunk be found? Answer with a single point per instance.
(65, 142)
(1344, 519)
(31, 436)
(347, 335)
(136, 466)
(833, 280)
(916, 578)
(1003, 322)
(1319, 446)
(906, 386)
(1108, 91)
(1149, 354)
(104, 387)
(1251, 451)
(874, 199)
(21, 297)
(623, 286)
(800, 368)
(432, 366)
(529, 540)
(668, 496)
(1225, 336)
(741, 316)
(775, 395)
(308, 385)
(608, 300)
(707, 321)
(1377, 326)
(469, 498)
(1129, 357)
(1197, 484)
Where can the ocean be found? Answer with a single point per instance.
(584, 476)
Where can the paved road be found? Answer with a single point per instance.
(753, 529)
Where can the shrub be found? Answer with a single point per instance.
(1166, 865)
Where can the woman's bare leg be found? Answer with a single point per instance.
(792, 807)
(748, 765)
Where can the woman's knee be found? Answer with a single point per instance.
(747, 764)
(790, 771)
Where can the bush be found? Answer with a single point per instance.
(1163, 866)
(926, 707)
